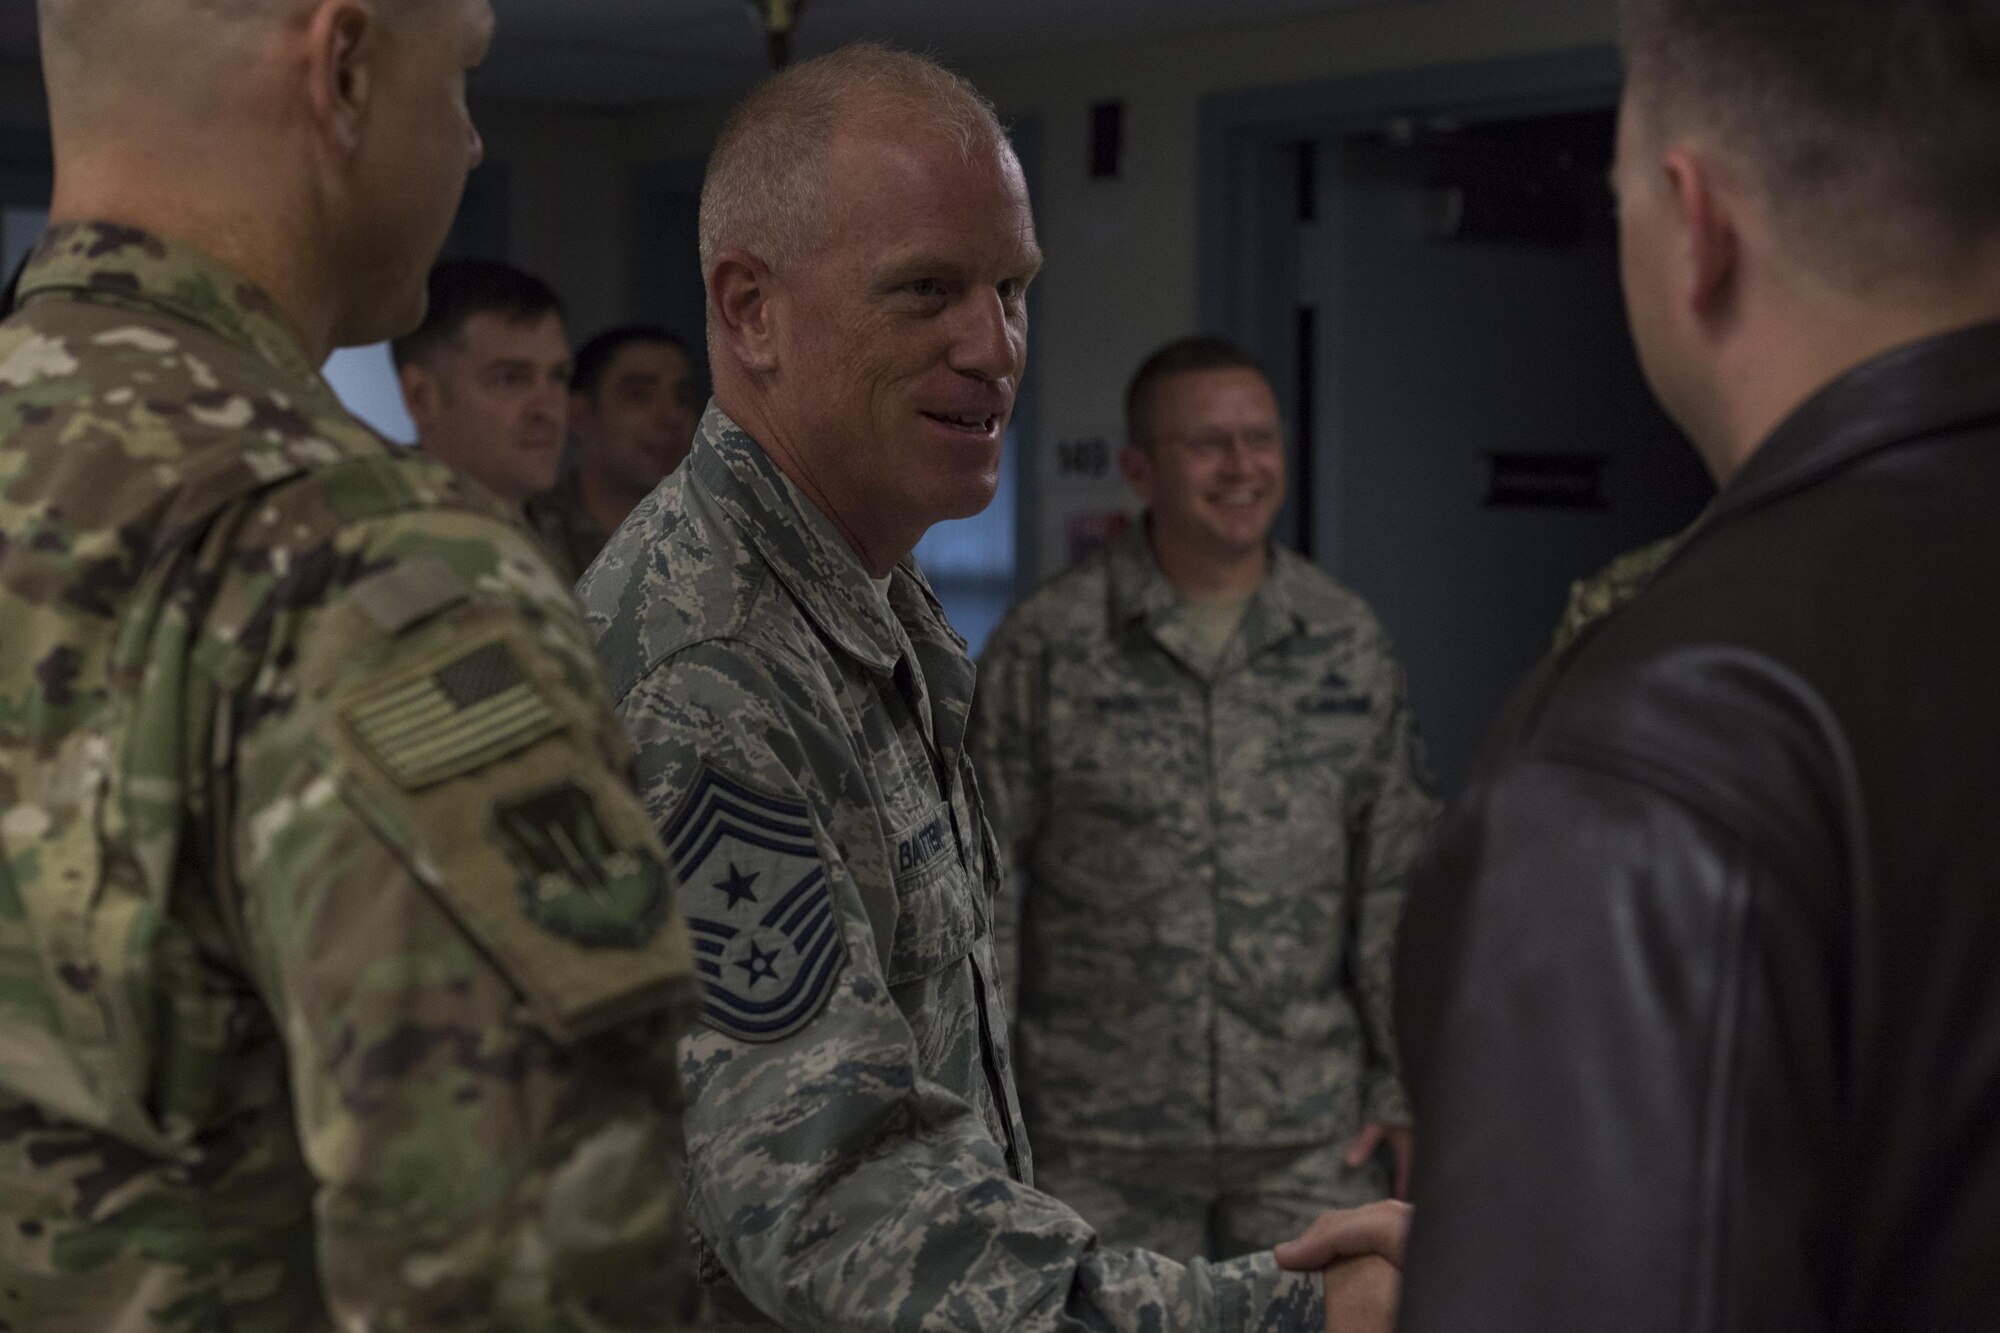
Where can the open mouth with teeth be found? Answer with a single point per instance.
(970, 425)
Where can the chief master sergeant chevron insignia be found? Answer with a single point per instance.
(766, 936)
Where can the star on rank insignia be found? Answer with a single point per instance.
(766, 933)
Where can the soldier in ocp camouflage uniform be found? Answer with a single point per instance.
(856, 1156)
(1214, 802)
(341, 970)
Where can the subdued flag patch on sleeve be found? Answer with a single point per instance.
(765, 926)
(443, 721)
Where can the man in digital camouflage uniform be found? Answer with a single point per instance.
(342, 975)
(1195, 747)
(856, 1156)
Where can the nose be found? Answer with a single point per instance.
(1236, 458)
(550, 401)
(986, 345)
(475, 145)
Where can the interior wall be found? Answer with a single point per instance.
(25, 161)
(1121, 275)
(569, 176)
(1443, 353)
(23, 103)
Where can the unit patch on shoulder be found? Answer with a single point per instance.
(450, 719)
(575, 881)
(766, 936)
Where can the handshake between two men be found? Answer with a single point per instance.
(1359, 1253)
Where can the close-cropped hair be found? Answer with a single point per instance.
(1183, 356)
(462, 288)
(595, 359)
(766, 189)
(1871, 128)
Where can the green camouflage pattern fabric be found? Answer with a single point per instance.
(1592, 599)
(568, 532)
(1213, 853)
(295, 1032)
(856, 1156)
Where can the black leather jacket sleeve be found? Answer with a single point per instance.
(1620, 1023)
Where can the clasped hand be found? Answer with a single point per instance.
(1359, 1255)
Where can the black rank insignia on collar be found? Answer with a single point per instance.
(766, 931)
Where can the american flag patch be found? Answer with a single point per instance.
(468, 712)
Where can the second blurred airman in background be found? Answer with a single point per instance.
(635, 400)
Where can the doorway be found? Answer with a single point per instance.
(1439, 300)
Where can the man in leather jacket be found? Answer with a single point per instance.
(1698, 995)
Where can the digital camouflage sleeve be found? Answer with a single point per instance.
(340, 971)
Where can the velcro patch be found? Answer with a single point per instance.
(766, 933)
(405, 593)
(575, 881)
(447, 720)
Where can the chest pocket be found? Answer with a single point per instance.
(937, 897)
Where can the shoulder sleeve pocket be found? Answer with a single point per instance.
(487, 771)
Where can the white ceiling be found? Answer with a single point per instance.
(620, 52)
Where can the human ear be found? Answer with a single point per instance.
(1137, 466)
(1707, 211)
(343, 38)
(740, 292)
(420, 394)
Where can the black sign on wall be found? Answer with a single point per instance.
(1546, 481)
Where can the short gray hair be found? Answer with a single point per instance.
(766, 186)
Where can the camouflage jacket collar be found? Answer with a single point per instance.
(800, 544)
(1282, 605)
(101, 261)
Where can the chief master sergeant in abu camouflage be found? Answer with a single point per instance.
(856, 1158)
(1196, 747)
(339, 975)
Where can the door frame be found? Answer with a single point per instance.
(1251, 175)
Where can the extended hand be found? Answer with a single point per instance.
(1361, 1295)
(1402, 1141)
(1375, 1229)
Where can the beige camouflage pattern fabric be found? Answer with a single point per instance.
(856, 1157)
(568, 532)
(1214, 853)
(340, 974)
